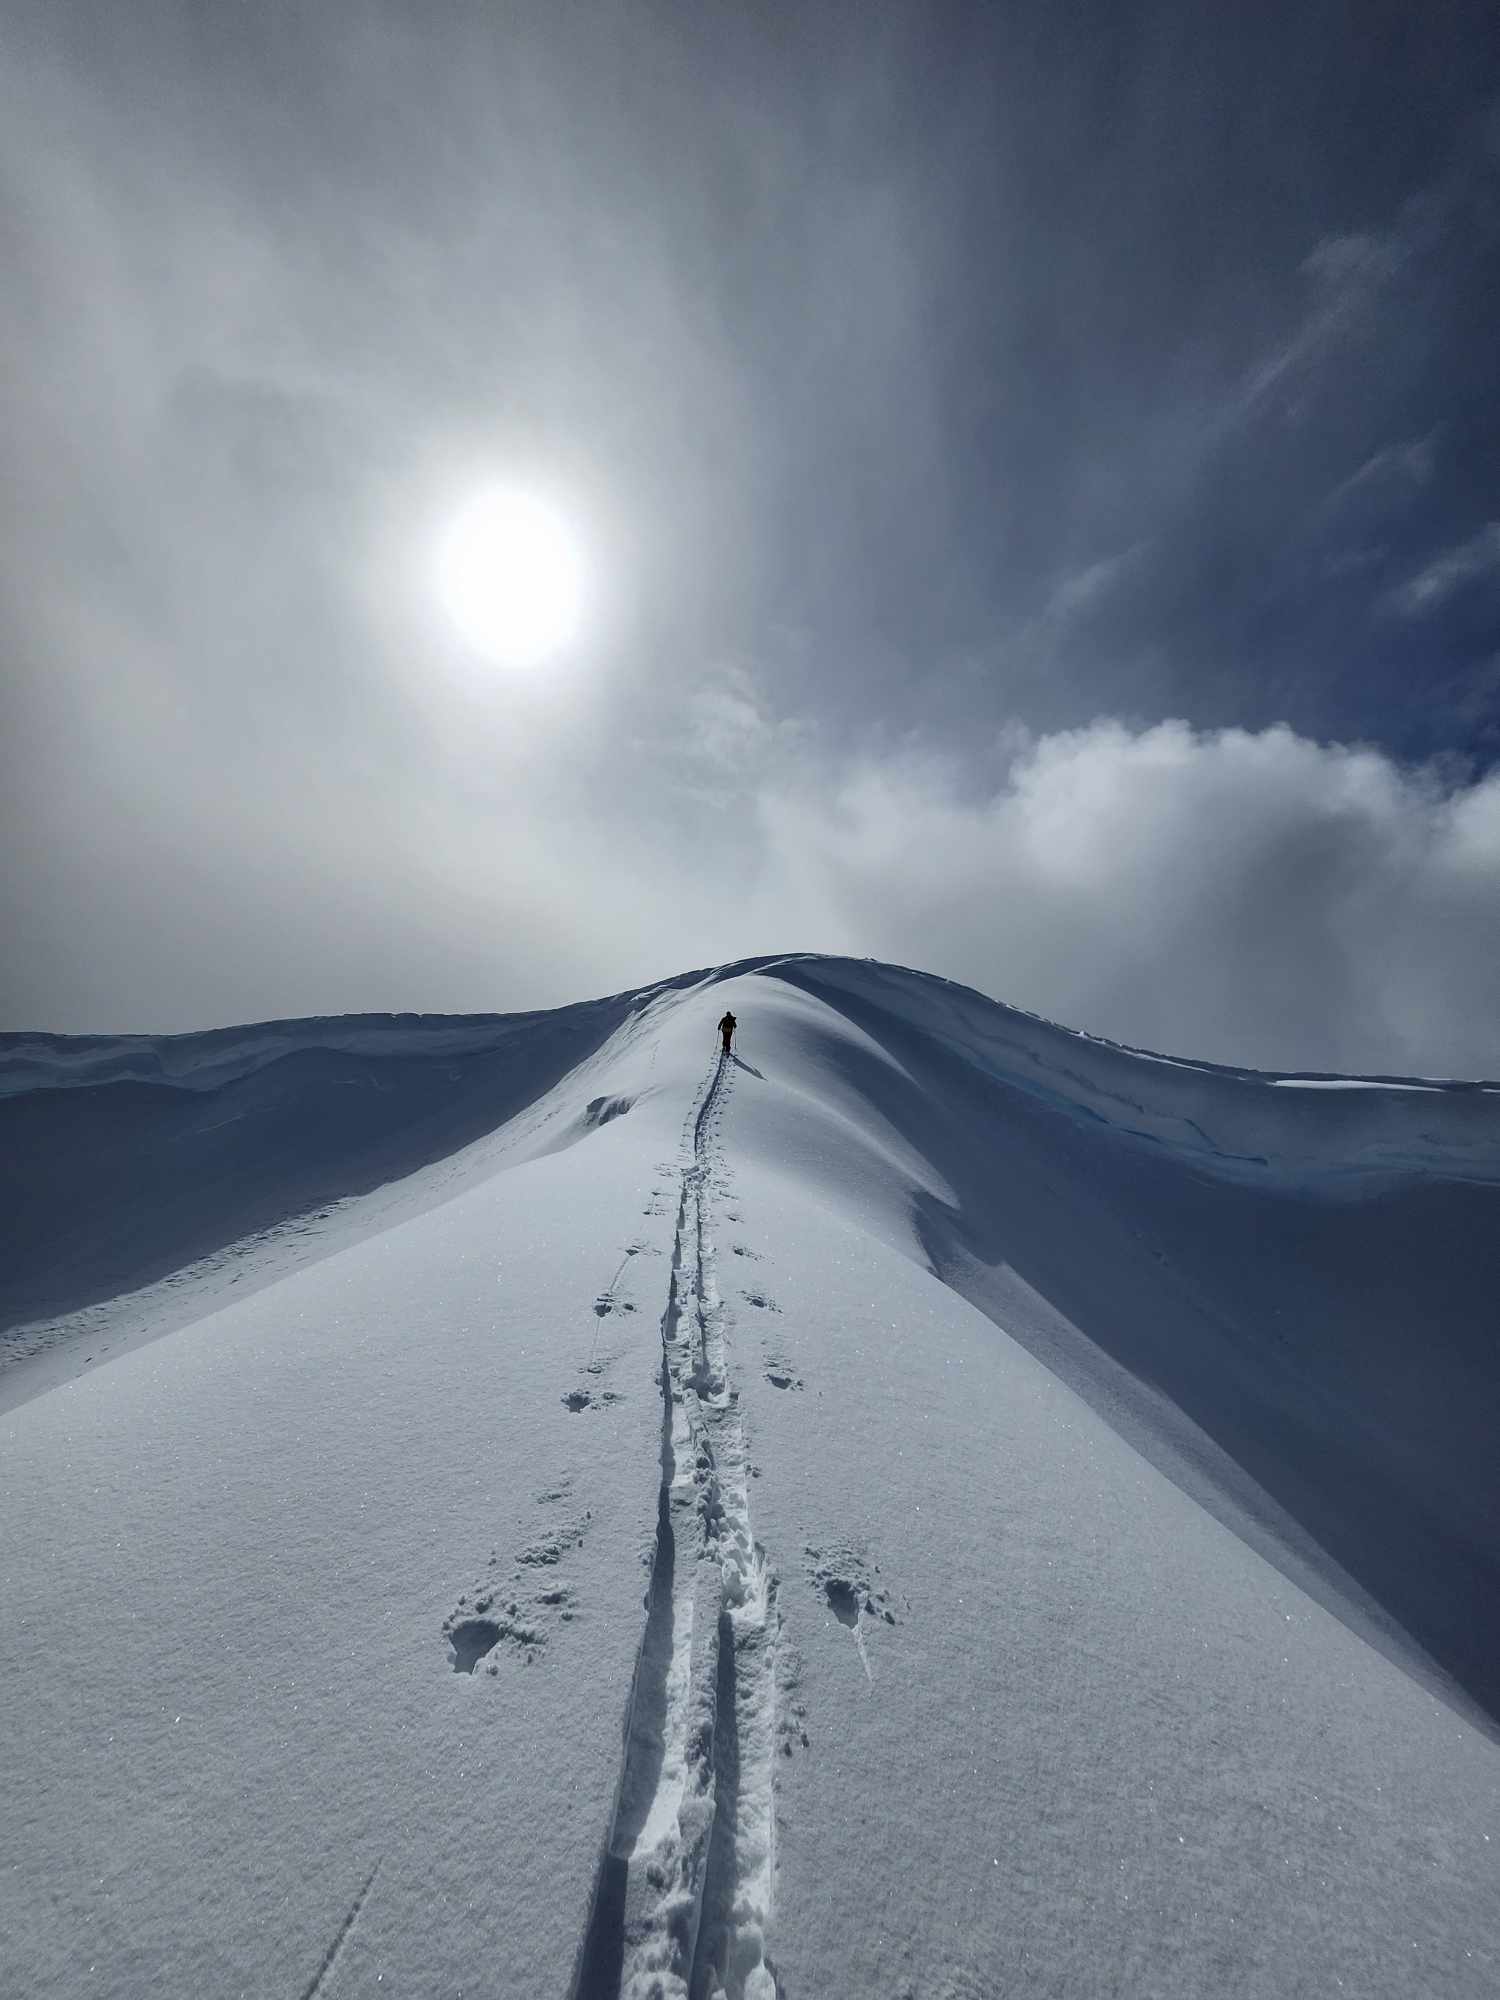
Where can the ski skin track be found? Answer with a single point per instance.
(682, 1896)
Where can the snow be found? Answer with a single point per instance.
(1380, 1083)
(934, 1505)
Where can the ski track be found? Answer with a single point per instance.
(682, 1902)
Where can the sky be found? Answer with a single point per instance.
(1035, 469)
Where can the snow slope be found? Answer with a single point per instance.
(936, 1505)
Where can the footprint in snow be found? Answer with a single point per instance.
(791, 1709)
(844, 1578)
(843, 1600)
(761, 1299)
(549, 1549)
(585, 1399)
(517, 1619)
(470, 1639)
(474, 1633)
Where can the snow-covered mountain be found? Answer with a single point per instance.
(931, 1505)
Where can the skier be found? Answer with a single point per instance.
(726, 1028)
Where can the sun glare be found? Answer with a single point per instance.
(509, 577)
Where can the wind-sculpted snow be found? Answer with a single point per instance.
(1223, 1121)
(125, 1161)
(218, 1056)
(931, 1504)
(1302, 1336)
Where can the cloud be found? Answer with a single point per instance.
(1081, 591)
(948, 459)
(728, 727)
(1406, 465)
(1347, 278)
(1469, 562)
(1253, 898)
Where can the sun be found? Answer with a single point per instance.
(509, 576)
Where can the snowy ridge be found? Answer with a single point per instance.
(683, 1898)
(1118, 1609)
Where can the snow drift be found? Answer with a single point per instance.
(935, 1505)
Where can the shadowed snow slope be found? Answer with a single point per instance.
(932, 1505)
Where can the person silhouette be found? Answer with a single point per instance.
(726, 1028)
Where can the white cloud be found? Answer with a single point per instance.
(1468, 562)
(1389, 478)
(1081, 589)
(1251, 898)
(727, 724)
(1348, 277)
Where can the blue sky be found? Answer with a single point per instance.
(953, 403)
